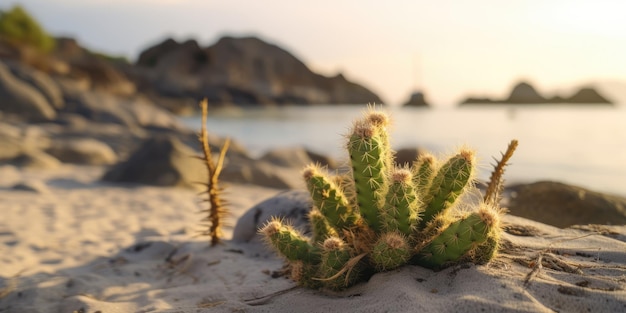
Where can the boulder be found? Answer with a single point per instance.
(20, 98)
(407, 155)
(40, 81)
(36, 159)
(160, 161)
(261, 173)
(82, 151)
(294, 157)
(417, 99)
(292, 206)
(564, 205)
(131, 112)
(35, 186)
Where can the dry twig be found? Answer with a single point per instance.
(217, 206)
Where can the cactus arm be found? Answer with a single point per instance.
(401, 206)
(459, 239)
(290, 243)
(423, 170)
(449, 182)
(319, 225)
(368, 156)
(329, 198)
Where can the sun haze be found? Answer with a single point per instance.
(449, 49)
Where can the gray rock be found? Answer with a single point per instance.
(160, 161)
(131, 112)
(40, 81)
(19, 98)
(36, 159)
(407, 155)
(564, 205)
(295, 157)
(292, 206)
(261, 173)
(83, 151)
(32, 186)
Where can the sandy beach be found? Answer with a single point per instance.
(81, 245)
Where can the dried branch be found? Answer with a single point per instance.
(496, 183)
(217, 206)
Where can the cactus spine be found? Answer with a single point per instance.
(384, 216)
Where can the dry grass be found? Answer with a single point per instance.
(496, 183)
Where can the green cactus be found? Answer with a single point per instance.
(383, 216)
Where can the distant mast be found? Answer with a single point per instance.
(417, 95)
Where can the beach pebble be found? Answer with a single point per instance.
(293, 206)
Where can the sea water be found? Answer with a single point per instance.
(580, 145)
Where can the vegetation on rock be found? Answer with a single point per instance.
(18, 26)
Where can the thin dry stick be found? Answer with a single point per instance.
(217, 210)
(494, 188)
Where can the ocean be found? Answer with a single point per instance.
(580, 145)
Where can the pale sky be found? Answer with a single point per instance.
(450, 49)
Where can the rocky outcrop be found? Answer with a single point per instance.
(524, 93)
(166, 161)
(243, 71)
(587, 95)
(417, 99)
(18, 97)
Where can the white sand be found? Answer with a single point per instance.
(87, 246)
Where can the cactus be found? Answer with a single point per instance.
(383, 216)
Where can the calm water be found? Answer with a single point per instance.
(585, 146)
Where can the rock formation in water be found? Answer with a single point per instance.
(243, 71)
(525, 93)
(417, 99)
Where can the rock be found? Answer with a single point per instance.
(83, 151)
(322, 159)
(524, 93)
(266, 74)
(160, 161)
(564, 205)
(292, 205)
(417, 100)
(36, 159)
(262, 174)
(407, 155)
(36, 186)
(40, 81)
(19, 98)
(587, 95)
(102, 74)
(132, 112)
(295, 157)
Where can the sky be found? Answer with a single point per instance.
(448, 49)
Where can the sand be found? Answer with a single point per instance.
(80, 245)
